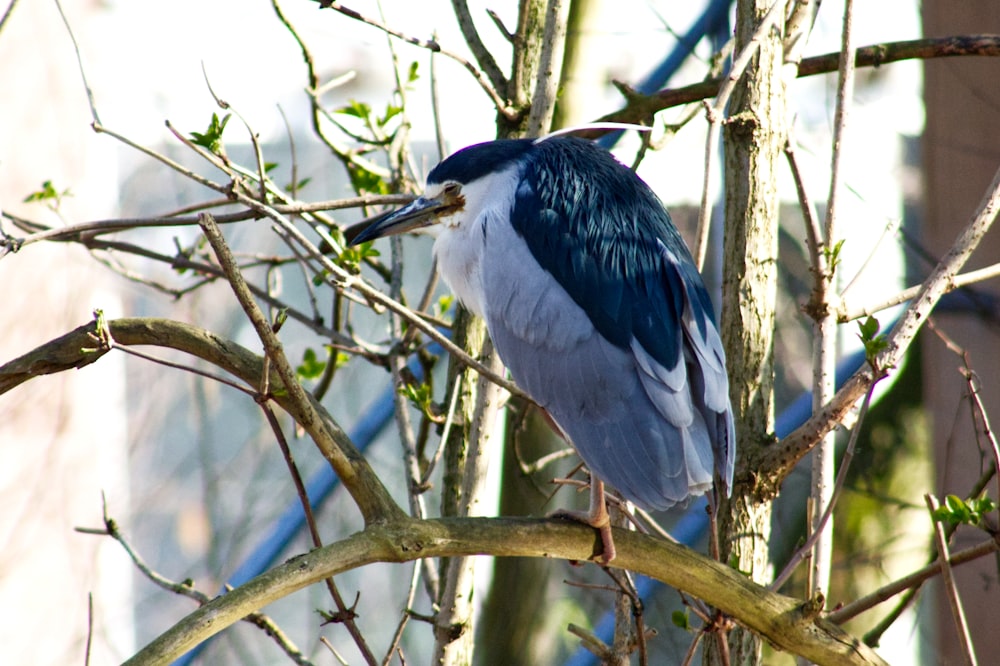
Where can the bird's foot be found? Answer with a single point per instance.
(598, 518)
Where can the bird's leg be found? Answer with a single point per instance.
(597, 517)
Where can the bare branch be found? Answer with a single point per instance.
(819, 525)
(100, 227)
(642, 106)
(79, 59)
(501, 105)
(345, 614)
(475, 44)
(185, 589)
(845, 314)
(784, 621)
(814, 234)
(371, 496)
(548, 76)
(783, 457)
(911, 581)
(825, 327)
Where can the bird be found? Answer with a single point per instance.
(595, 306)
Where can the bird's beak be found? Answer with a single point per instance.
(422, 212)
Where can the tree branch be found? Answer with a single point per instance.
(786, 622)
(495, 95)
(365, 487)
(475, 44)
(82, 347)
(779, 460)
(641, 107)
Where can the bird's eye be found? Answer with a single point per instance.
(452, 189)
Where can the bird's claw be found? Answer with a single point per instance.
(598, 518)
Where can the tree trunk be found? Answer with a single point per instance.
(754, 138)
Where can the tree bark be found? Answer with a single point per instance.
(754, 138)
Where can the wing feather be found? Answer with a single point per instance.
(596, 391)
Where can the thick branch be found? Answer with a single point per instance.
(786, 622)
(779, 460)
(641, 107)
(81, 347)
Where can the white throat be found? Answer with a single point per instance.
(462, 237)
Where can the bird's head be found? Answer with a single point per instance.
(439, 201)
(457, 189)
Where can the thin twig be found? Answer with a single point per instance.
(475, 44)
(951, 588)
(449, 421)
(345, 615)
(186, 589)
(888, 231)
(838, 486)
(41, 232)
(850, 314)
(186, 368)
(501, 105)
(397, 364)
(79, 60)
(411, 594)
(814, 233)
(90, 615)
(910, 581)
(974, 389)
(339, 339)
(7, 14)
(825, 325)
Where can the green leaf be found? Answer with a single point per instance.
(419, 396)
(350, 259)
(833, 254)
(366, 182)
(280, 319)
(874, 343)
(311, 367)
(681, 619)
(957, 511)
(391, 112)
(49, 194)
(413, 74)
(211, 138)
(443, 305)
(356, 109)
(869, 328)
(299, 185)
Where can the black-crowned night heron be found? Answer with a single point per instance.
(595, 306)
